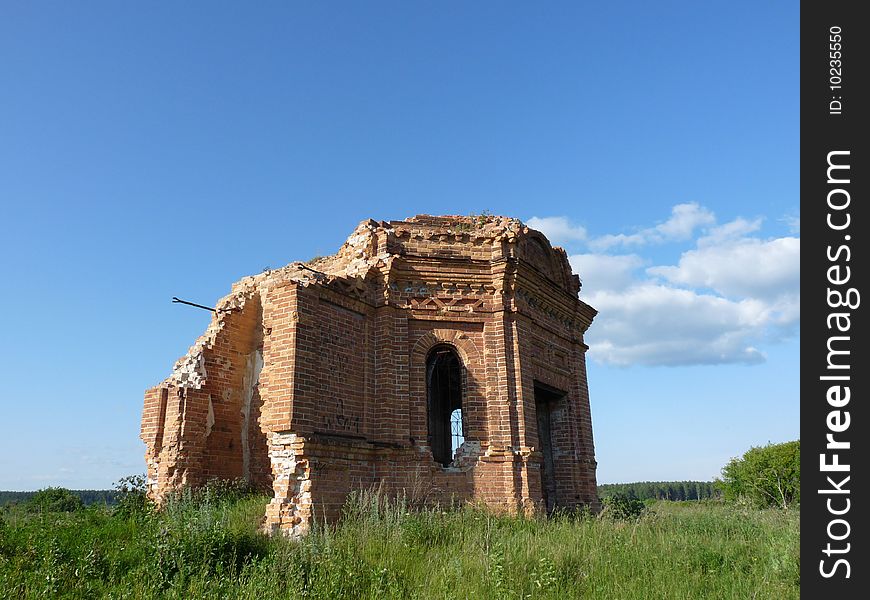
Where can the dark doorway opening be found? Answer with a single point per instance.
(546, 402)
(444, 391)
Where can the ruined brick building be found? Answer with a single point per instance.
(442, 356)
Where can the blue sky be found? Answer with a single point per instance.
(158, 150)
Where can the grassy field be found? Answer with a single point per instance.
(209, 547)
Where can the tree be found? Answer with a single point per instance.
(764, 476)
(54, 499)
(132, 497)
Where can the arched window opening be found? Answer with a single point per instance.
(444, 390)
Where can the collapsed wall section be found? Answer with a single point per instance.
(202, 422)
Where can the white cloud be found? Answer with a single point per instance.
(558, 229)
(654, 325)
(605, 271)
(737, 228)
(745, 267)
(730, 293)
(684, 219)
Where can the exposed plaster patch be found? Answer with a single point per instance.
(253, 367)
(468, 449)
(209, 420)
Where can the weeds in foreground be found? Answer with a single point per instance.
(207, 545)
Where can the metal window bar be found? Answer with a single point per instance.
(456, 435)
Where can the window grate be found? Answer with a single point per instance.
(458, 438)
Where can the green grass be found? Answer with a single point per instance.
(209, 547)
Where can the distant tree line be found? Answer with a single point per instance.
(86, 496)
(660, 490)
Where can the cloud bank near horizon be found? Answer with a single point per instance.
(730, 292)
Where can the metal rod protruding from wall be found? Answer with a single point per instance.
(214, 310)
(302, 265)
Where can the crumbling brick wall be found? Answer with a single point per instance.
(312, 379)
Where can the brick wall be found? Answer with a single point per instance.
(341, 401)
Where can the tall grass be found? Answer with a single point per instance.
(208, 546)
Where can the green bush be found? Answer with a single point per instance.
(54, 499)
(765, 476)
(132, 500)
(623, 508)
